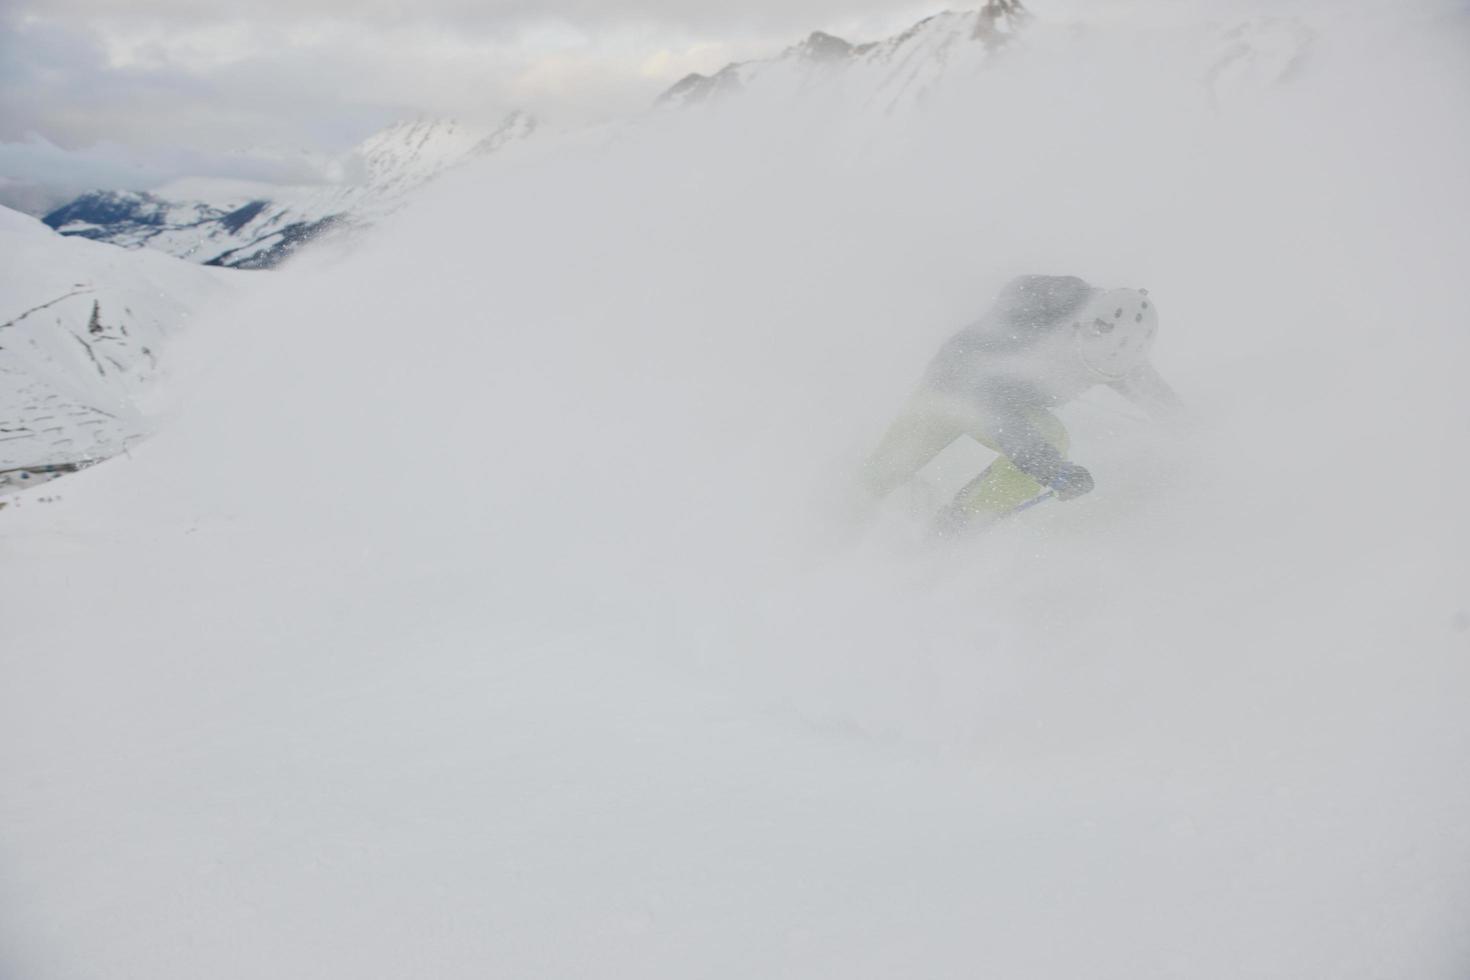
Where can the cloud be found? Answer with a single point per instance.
(65, 84)
(499, 17)
(37, 176)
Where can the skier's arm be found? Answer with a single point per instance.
(1150, 392)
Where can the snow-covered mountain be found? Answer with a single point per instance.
(1240, 58)
(83, 329)
(228, 223)
(886, 75)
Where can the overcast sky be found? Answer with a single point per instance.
(163, 86)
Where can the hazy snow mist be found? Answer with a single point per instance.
(484, 612)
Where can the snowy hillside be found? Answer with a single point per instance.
(484, 616)
(251, 227)
(84, 330)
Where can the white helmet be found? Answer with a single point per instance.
(1115, 330)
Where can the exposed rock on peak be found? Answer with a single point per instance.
(822, 47)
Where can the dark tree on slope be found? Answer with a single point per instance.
(94, 325)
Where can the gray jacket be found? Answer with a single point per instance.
(1020, 357)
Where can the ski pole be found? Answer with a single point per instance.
(1040, 498)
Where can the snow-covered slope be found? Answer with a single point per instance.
(84, 330)
(470, 624)
(251, 227)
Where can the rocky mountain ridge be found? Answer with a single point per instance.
(887, 75)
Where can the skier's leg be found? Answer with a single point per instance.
(1003, 487)
(927, 425)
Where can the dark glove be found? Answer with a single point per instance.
(1071, 481)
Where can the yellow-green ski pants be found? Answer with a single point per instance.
(929, 423)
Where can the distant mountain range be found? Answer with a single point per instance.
(251, 226)
(1239, 61)
(886, 75)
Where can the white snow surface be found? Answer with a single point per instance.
(484, 616)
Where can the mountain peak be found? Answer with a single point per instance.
(823, 47)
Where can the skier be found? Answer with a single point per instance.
(1044, 341)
